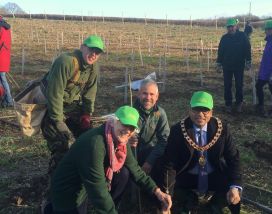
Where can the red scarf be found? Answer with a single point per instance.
(117, 156)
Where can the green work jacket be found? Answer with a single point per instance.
(85, 164)
(70, 80)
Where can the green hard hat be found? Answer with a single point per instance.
(202, 99)
(232, 22)
(94, 42)
(268, 24)
(128, 116)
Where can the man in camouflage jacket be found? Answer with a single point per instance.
(70, 89)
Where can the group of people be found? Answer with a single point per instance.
(96, 165)
(234, 56)
(195, 159)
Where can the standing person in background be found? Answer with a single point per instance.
(5, 48)
(265, 72)
(248, 29)
(154, 129)
(234, 55)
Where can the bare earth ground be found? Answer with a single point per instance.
(24, 160)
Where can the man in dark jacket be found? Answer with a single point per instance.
(102, 162)
(234, 55)
(201, 158)
(265, 72)
(151, 140)
(248, 29)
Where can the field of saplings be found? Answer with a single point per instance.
(183, 59)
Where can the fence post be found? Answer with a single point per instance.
(126, 84)
(23, 60)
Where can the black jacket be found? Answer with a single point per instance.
(180, 157)
(233, 51)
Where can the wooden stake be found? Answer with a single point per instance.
(208, 60)
(140, 52)
(108, 48)
(187, 59)
(62, 39)
(23, 61)
(132, 62)
(37, 35)
(164, 74)
(149, 47)
(253, 86)
(130, 91)
(160, 65)
(79, 40)
(58, 41)
(167, 188)
(45, 48)
(125, 88)
(201, 73)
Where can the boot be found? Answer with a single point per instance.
(228, 109)
(269, 114)
(260, 111)
(239, 108)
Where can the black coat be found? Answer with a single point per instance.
(233, 51)
(180, 157)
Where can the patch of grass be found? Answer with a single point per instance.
(14, 150)
(247, 157)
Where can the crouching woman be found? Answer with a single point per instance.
(98, 166)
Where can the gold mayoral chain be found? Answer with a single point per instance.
(201, 149)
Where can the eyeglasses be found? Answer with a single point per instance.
(130, 128)
(204, 111)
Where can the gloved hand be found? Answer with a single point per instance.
(85, 121)
(248, 65)
(64, 132)
(219, 67)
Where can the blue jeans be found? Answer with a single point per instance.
(7, 100)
